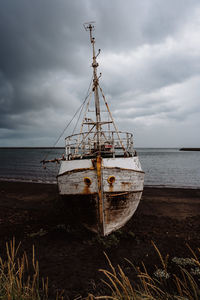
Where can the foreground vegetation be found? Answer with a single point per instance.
(176, 278)
(18, 278)
(182, 284)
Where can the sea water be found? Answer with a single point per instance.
(162, 167)
(170, 167)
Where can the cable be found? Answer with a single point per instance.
(80, 108)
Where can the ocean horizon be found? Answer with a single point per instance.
(163, 167)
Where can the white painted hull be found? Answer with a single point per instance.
(120, 198)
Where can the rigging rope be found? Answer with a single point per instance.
(79, 109)
(88, 94)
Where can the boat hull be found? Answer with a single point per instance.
(122, 184)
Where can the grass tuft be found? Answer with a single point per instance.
(159, 285)
(18, 279)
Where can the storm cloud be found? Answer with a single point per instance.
(150, 64)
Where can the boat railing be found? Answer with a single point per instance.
(111, 144)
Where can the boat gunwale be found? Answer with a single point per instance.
(92, 168)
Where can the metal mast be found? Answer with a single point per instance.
(101, 222)
(90, 27)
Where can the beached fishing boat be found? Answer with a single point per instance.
(100, 174)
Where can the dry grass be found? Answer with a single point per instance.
(184, 285)
(16, 283)
(19, 279)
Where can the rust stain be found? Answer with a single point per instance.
(88, 182)
(124, 183)
(119, 194)
(94, 163)
(86, 190)
(119, 168)
(100, 193)
(111, 188)
(111, 181)
(75, 171)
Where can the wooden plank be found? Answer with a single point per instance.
(125, 180)
(74, 183)
(118, 210)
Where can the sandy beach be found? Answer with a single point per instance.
(70, 255)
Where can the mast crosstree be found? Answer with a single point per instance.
(98, 124)
(95, 65)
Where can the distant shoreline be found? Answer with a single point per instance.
(189, 149)
(50, 147)
(32, 147)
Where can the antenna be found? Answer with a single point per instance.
(89, 25)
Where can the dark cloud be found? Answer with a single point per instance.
(150, 54)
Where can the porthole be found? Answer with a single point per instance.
(111, 179)
(87, 181)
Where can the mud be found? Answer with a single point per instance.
(71, 256)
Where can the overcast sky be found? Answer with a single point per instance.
(150, 64)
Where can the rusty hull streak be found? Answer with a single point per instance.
(88, 183)
(75, 171)
(86, 190)
(111, 181)
(111, 188)
(76, 185)
(126, 184)
(123, 193)
(118, 168)
(100, 193)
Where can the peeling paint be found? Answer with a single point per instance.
(86, 190)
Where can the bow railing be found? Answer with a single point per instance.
(111, 144)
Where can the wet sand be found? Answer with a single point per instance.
(70, 255)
